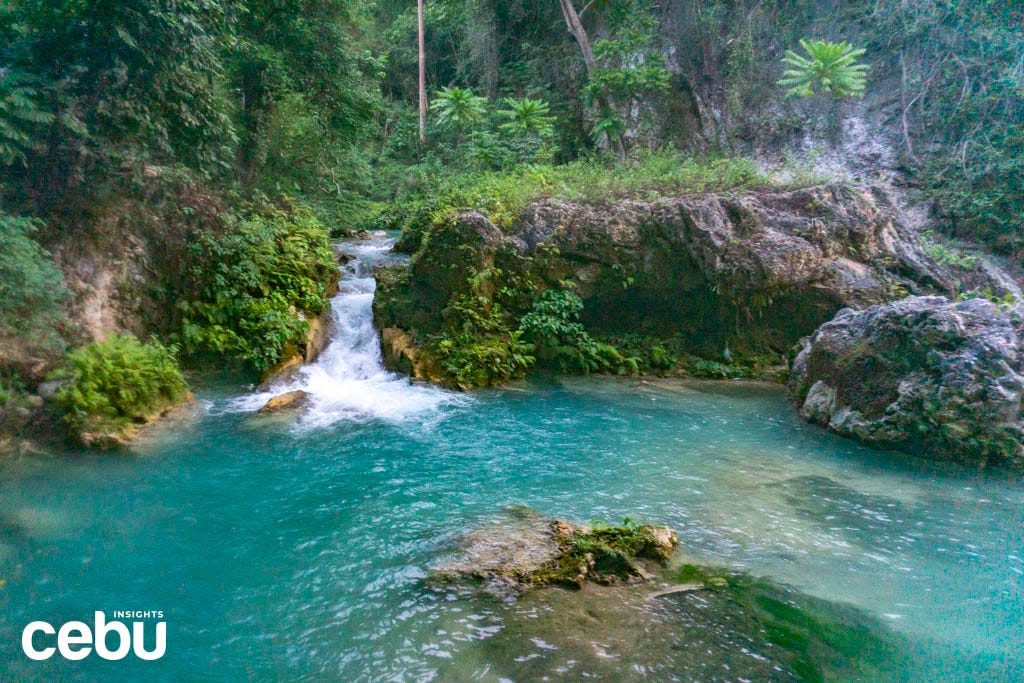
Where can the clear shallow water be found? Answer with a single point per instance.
(298, 547)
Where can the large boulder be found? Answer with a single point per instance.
(933, 377)
(400, 353)
(775, 264)
(755, 271)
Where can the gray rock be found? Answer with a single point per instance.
(48, 390)
(926, 375)
(531, 551)
(760, 268)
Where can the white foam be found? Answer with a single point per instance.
(349, 380)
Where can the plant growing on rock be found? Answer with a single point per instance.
(562, 342)
(626, 76)
(830, 67)
(478, 349)
(605, 553)
(249, 282)
(112, 383)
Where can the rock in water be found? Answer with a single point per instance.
(534, 551)
(292, 400)
(926, 375)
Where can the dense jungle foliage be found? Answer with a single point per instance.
(236, 135)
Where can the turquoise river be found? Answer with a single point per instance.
(299, 547)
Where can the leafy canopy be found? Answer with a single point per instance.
(832, 67)
(458, 107)
(526, 116)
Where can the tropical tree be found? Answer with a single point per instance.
(458, 108)
(421, 70)
(832, 67)
(92, 91)
(527, 116)
(306, 54)
(627, 77)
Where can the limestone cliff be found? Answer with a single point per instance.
(754, 271)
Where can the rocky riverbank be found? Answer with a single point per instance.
(937, 378)
(719, 285)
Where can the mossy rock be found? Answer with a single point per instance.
(681, 622)
(533, 551)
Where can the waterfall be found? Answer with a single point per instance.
(349, 381)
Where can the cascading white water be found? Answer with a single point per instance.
(349, 380)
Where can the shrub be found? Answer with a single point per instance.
(480, 361)
(559, 339)
(478, 348)
(944, 254)
(118, 381)
(250, 281)
(982, 197)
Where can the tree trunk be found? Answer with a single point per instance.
(576, 28)
(572, 21)
(423, 73)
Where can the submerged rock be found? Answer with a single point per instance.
(101, 435)
(927, 375)
(534, 551)
(689, 622)
(292, 400)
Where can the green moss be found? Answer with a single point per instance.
(815, 639)
(602, 554)
(705, 576)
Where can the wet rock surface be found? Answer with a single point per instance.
(937, 378)
(291, 400)
(676, 621)
(530, 551)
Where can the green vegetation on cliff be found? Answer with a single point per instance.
(164, 135)
(31, 290)
(437, 193)
(244, 284)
